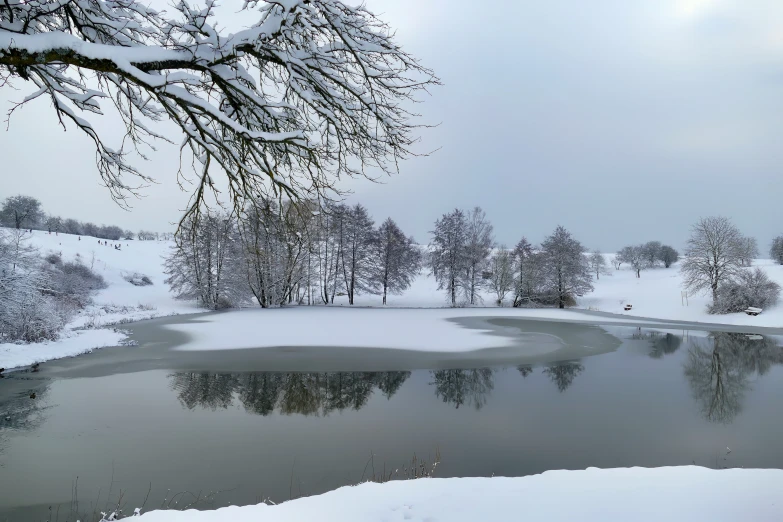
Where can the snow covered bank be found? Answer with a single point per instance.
(658, 294)
(72, 343)
(120, 302)
(403, 328)
(673, 494)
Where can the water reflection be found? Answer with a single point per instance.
(563, 374)
(317, 393)
(458, 387)
(718, 370)
(23, 403)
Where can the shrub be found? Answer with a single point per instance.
(749, 288)
(137, 279)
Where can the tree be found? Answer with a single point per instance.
(668, 256)
(652, 252)
(776, 250)
(749, 288)
(749, 250)
(531, 280)
(501, 269)
(448, 256)
(713, 255)
(567, 274)
(53, 224)
(478, 245)
(396, 259)
(21, 211)
(597, 263)
(312, 89)
(205, 263)
(634, 256)
(359, 236)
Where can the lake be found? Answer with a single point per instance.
(153, 426)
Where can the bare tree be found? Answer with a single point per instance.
(713, 255)
(309, 90)
(397, 259)
(205, 263)
(448, 256)
(776, 250)
(501, 269)
(652, 252)
(636, 256)
(749, 250)
(597, 263)
(477, 249)
(356, 251)
(21, 211)
(668, 256)
(567, 272)
(53, 224)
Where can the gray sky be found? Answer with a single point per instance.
(623, 120)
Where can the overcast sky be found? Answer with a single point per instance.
(623, 121)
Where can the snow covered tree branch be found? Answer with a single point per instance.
(313, 90)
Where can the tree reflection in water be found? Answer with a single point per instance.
(458, 387)
(317, 393)
(719, 375)
(564, 373)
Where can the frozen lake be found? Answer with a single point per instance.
(241, 426)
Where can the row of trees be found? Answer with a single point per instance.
(26, 212)
(298, 253)
(646, 255)
(290, 253)
(37, 295)
(464, 261)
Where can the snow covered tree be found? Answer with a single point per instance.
(597, 263)
(713, 255)
(636, 256)
(531, 280)
(748, 288)
(205, 263)
(53, 224)
(501, 269)
(567, 274)
(749, 250)
(358, 238)
(310, 89)
(273, 251)
(448, 253)
(478, 245)
(652, 252)
(776, 250)
(668, 256)
(20, 211)
(396, 259)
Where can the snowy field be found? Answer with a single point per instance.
(673, 494)
(656, 295)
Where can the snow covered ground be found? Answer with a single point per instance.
(673, 494)
(121, 302)
(656, 295)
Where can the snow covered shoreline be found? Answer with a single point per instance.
(675, 494)
(656, 298)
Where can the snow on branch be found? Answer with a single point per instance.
(313, 90)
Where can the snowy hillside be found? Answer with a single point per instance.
(121, 302)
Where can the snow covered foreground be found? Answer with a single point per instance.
(673, 494)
